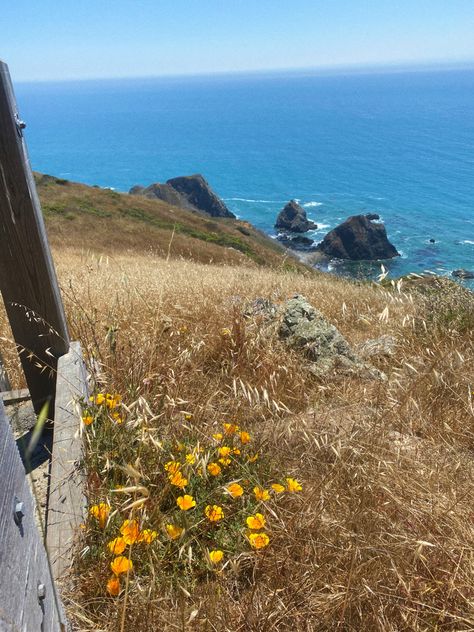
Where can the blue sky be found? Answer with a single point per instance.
(72, 39)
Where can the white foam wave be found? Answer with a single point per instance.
(321, 227)
(468, 241)
(312, 204)
(237, 199)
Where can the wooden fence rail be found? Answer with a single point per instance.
(27, 277)
(55, 373)
(28, 596)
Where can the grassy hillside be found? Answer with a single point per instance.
(381, 534)
(381, 537)
(103, 220)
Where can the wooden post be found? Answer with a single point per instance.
(66, 504)
(27, 277)
(29, 599)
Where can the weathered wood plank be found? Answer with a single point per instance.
(27, 277)
(66, 499)
(29, 600)
(15, 397)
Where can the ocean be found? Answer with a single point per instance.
(400, 144)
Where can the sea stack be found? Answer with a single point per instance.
(292, 218)
(192, 193)
(358, 238)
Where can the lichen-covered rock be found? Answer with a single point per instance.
(261, 308)
(305, 329)
(377, 347)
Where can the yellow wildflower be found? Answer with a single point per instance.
(253, 458)
(244, 437)
(99, 399)
(225, 461)
(87, 420)
(214, 513)
(120, 565)
(225, 451)
(112, 401)
(185, 502)
(214, 469)
(256, 522)
(230, 428)
(147, 536)
(101, 513)
(216, 556)
(217, 436)
(236, 451)
(188, 416)
(258, 540)
(117, 546)
(235, 490)
(261, 494)
(225, 331)
(293, 485)
(172, 467)
(130, 531)
(113, 586)
(190, 458)
(117, 417)
(173, 531)
(178, 480)
(278, 488)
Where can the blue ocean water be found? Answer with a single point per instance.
(400, 144)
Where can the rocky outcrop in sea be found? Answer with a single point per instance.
(359, 238)
(292, 218)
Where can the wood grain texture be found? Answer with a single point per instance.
(66, 510)
(27, 277)
(23, 561)
(15, 396)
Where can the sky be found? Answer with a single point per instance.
(86, 39)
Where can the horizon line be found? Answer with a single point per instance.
(355, 68)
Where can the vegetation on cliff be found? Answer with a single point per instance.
(373, 528)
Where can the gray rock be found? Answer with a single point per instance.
(463, 274)
(293, 218)
(305, 329)
(261, 308)
(298, 242)
(377, 347)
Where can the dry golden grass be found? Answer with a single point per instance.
(382, 536)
